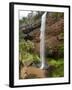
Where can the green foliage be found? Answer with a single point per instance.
(21, 35)
(26, 45)
(32, 19)
(61, 49)
(24, 20)
(58, 67)
(56, 62)
(57, 15)
(26, 51)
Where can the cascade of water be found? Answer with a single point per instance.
(42, 43)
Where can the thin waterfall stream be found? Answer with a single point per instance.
(42, 42)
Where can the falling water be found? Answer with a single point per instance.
(42, 43)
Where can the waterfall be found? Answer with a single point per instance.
(42, 41)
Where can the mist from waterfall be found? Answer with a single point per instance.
(42, 41)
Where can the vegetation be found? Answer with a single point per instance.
(57, 67)
(31, 18)
(57, 15)
(27, 49)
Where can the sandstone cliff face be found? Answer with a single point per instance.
(54, 36)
